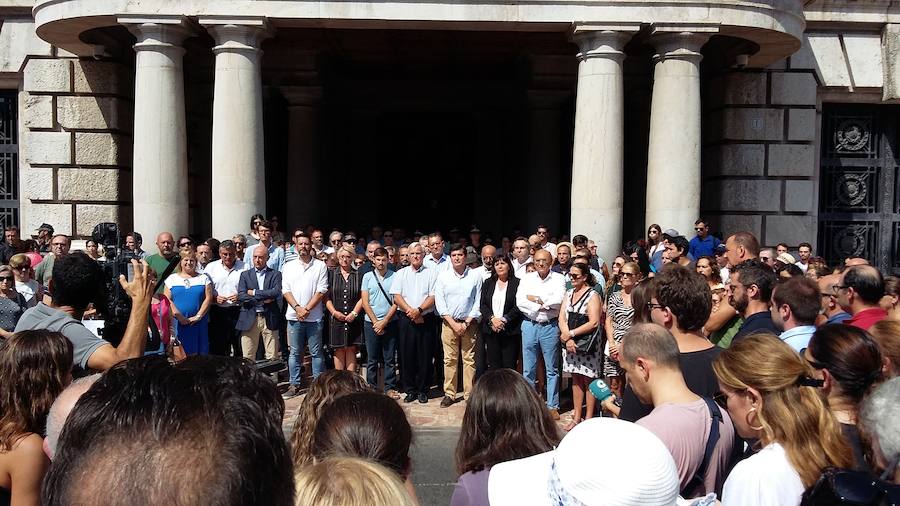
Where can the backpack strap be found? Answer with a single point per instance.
(700, 475)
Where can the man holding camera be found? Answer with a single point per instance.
(76, 282)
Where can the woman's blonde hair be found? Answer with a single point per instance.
(329, 386)
(887, 334)
(185, 253)
(347, 481)
(791, 413)
(19, 260)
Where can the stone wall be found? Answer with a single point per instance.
(76, 123)
(759, 167)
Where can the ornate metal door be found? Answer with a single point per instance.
(859, 208)
(9, 160)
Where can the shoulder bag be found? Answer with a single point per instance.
(584, 344)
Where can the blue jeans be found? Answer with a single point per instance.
(543, 339)
(381, 349)
(301, 334)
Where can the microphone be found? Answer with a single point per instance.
(600, 390)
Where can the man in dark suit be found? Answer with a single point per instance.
(259, 293)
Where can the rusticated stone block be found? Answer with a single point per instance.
(99, 113)
(744, 195)
(790, 229)
(101, 77)
(731, 223)
(48, 147)
(58, 215)
(793, 88)
(47, 75)
(742, 159)
(89, 184)
(87, 216)
(752, 124)
(792, 160)
(37, 111)
(37, 183)
(802, 125)
(798, 196)
(101, 149)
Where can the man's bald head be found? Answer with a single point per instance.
(826, 286)
(165, 242)
(488, 251)
(61, 408)
(854, 261)
(865, 281)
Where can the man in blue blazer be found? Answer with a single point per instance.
(259, 293)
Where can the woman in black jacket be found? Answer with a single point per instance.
(501, 320)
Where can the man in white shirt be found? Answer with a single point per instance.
(539, 297)
(804, 251)
(304, 283)
(224, 338)
(413, 291)
(437, 258)
(457, 298)
(544, 234)
(521, 257)
(204, 257)
(486, 269)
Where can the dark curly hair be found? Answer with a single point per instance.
(35, 367)
(686, 294)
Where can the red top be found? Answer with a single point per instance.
(866, 318)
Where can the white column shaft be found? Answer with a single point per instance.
(159, 172)
(238, 164)
(673, 164)
(597, 159)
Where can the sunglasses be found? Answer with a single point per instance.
(350, 241)
(23, 268)
(651, 306)
(8, 279)
(576, 276)
(183, 244)
(629, 274)
(721, 399)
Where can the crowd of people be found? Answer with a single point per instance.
(701, 370)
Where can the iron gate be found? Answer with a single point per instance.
(859, 207)
(9, 159)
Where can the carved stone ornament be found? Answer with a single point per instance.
(852, 135)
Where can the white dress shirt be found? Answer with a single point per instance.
(458, 296)
(519, 269)
(551, 290)
(440, 264)
(414, 285)
(225, 280)
(483, 272)
(498, 301)
(551, 248)
(303, 281)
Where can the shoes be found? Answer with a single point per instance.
(446, 402)
(291, 392)
(409, 397)
(393, 394)
(554, 414)
(423, 399)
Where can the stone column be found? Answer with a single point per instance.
(598, 154)
(159, 173)
(238, 162)
(673, 162)
(303, 155)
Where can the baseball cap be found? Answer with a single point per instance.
(786, 259)
(721, 249)
(671, 232)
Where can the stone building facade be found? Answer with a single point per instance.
(598, 117)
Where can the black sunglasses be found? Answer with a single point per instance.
(186, 243)
(7, 278)
(841, 486)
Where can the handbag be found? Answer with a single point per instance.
(176, 350)
(585, 344)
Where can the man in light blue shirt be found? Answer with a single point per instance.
(795, 305)
(436, 259)
(379, 325)
(276, 253)
(413, 291)
(457, 298)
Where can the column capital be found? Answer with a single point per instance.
(602, 41)
(680, 42)
(158, 32)
(235, 34)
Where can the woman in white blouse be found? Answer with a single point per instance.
(772, 396)
(501, 320)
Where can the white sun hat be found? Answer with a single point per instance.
(602, 461)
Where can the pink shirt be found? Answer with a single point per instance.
(162, 315)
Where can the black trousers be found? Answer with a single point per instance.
(416, 354)
(502, 350)
(481, 365)
(224, 337)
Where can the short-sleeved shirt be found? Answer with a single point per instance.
(303, 281)
(159, 264)
(84, 342)
(377, 301)
(765, 478)
(225, 281)
(685, 429)
(415, 285)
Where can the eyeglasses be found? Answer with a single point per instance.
(699, 229)
(837, 288)
(22, 268)
(8, 279)
(721, 399)
(628, 274)
(350, 241)
(651, 306)
(764, 259)
(186, 243)
(576, 276)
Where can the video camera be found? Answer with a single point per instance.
(117, 304)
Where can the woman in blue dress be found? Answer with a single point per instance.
(191, 295)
